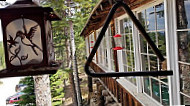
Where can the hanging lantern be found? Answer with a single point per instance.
(27, 37)
(118, 42)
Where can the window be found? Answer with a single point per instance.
(183, 34)
(153, 21)
(111, 51)
(103, 50)
(91, 44)
(87, 46)
(128, 64)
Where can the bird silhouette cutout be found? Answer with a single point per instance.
(31, 33)
(11, 41)
(29, 37)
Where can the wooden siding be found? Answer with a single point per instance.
(122, 95)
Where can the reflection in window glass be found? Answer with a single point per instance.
(153, 63)
(162, 42)
(185, 100)
(165, 94)
(147, 83)
(183, 16)
(184, 46)
(141, 17)
(153, 37)
(155, 89)
(150, 16)
(185, 81)
(160, 16)
(144, 44)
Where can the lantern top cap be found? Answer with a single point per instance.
(23, 3)
(28, 6)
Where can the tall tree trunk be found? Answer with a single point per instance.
(42, 90)
(71, 79)
(42, 86)
(75, 66)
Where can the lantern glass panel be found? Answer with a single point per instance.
(50, 41)
(24, 42)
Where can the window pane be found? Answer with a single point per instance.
(141, 17)
(143, 45)
(133, 60)
(185, 100)
(150, 16)
(153, 37)
(126, 25)
(153, 63)
(121, 27)
(147, 85)
(160, 16)
(184, 46)
(127, 39)
(131, 42)
(162, 42)
(155, 90)
(129, 63)
(165, 94)
(164, 79)
(144, 63)
(183, 16)
(185, 78)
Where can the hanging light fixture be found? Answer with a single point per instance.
(28, 39)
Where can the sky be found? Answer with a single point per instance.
(1, 36)
(8, 87)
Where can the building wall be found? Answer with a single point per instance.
(167, 23)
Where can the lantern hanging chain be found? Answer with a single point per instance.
(144, 34)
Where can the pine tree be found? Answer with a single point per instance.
(57, 87)
(29, 97)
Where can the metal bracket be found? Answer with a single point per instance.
(143, 33)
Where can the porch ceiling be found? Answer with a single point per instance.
(101, 10)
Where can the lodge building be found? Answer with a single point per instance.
(167, 22)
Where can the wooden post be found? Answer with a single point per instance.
(113, 45)
(90, 88)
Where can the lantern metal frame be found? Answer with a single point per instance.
(27, 9)
(120, 3)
